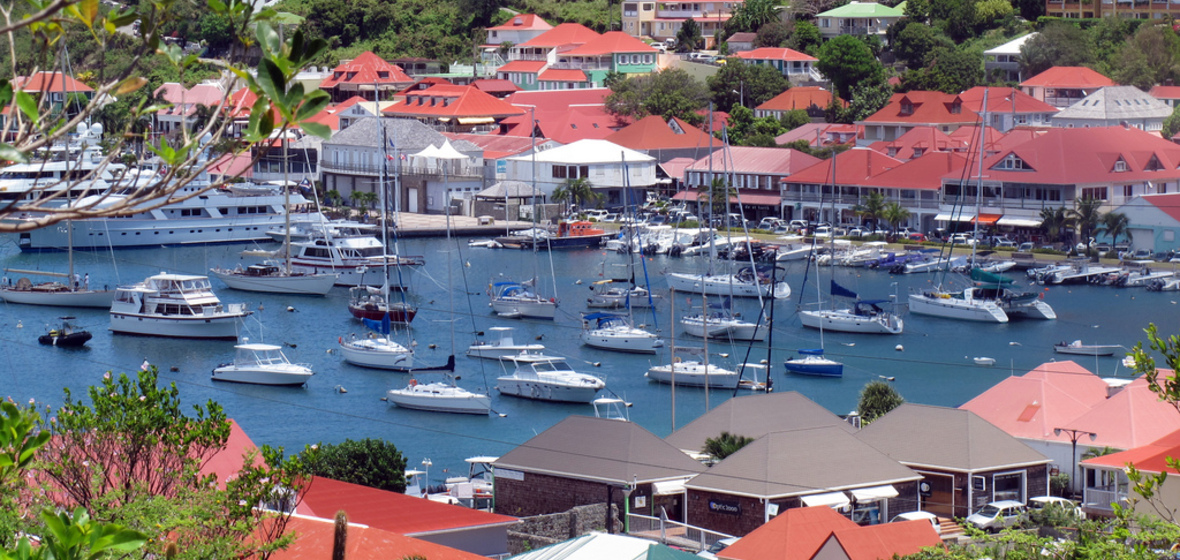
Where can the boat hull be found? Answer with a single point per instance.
(497, 351)
(544, 391)
(122, 233)
(438, 397)
(218, 327)
(728, 330)
(815, 366)
(290, 375)
(70, 340)
(399, 314)
(640, 342)
(955, 308)
(847, 321)
(525, 308)
(350, 276)
(296, 284)
(376, 353)
(724, 285)
(688, 374)
(574, 242)
(80, 298)
(1087, 350)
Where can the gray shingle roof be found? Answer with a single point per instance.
(409, 135)
(1113, 103)
(754, 416)
(946, 438)
(600, 449)
(800, 462)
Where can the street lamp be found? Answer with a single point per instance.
(427, 463)
(1073, 440)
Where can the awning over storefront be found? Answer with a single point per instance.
(1019, 222)
(946, 217)
(668, 487)
(875, 493)
(833, 499)
(987, 219)
(760, 199)
(476, 120)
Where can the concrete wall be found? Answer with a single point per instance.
(543, 530)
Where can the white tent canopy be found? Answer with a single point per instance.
(832, 499)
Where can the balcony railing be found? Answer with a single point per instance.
(1100, 498)
(861, 30)
(458, 173)
(672, 532)
(570, 65)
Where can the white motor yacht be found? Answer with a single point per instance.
(548, 378)
(175, 305)
(262, 364)
(355, 255)
(502, 346)
(612, 331)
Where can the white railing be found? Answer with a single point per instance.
(672, 532)
(1097, 498)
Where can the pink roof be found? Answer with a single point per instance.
(1078, 77)
(563, 34)
(818, 134)
(50, 82)
(801, 97)
(1166, 203)
(853, 167)
(391, 511)
(523, 22)
(920, 140)
(776, 53)
(526, 66)
(496, 146)
(795, 534)
(1150, 458)
(330, 115)
(563, 75)
(1147, 156)
(491, 85)
(654, 133)
(1000, 100)
(924, 107)
(923, 173)
(609, 43)
(887, 540)
(453, 101)
(674, 167)
(314, 539)
(1131, 418)
(1030, 406)
(762, 161)
(367, 69)
(1165, 92)
(185, 101)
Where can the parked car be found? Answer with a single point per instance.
(1042, 502)
(1026, 247)
(824, 232)
(998, 515)
(858, 232)
(769, 223)
(1003, 243)
(915, 515)
(963, 239)
(905, 232)
(596, 215)
(798, 225)
(716, 547)
(916, 237)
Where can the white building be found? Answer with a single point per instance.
(601, 162)
(1003, 62)
(1125, 106)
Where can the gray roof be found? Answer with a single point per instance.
(948, 439)
(600, 449)
(515, 189)
(1113, 103)
(801, 462)
(755, 416)
(408, 135)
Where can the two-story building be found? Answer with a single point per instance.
(368, 76)
(453, 108)
(1008, 108)
(858, 19)
(1002, 63)
(609, 167)
(520, 29)
(755, 174)
(906, 111)
(1062, 86)
(185, 104)
(662, 20)
(794, 65)
(1115, 106)
(813, 99)
(578, 59)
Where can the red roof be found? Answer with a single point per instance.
(391, 511)
(563, 34)
(578, 123)
(802, 97)
(609, 43)
(924, 107)
(1165, 92)
(496, 146)
(451, 101)
(819, 134)
(853, 167)
(1078, 77)
(1167, 203)
(1030, 406)
(1001, 100)
(563, 75)
(493, 86)
(674, 167)
(920, 140)
(719, 121)
(47, 82)
(775, 53)
(523, 21)
(526, 66)
(558, 100)
(1147, 157)
(795, 534)
(1151, 458)
(1131, 418)
(314, 539)
(924, 173)
(368, 69)
(761, 161)
(424, 83)
(887, 540)
(654, 133)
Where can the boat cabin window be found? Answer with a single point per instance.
(371, 252)
(556, 365)
(175, 309)
(125, 296)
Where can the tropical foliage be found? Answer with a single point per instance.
(577, 191)
(669, 93)
(368, 462)
(1086, 216)
(871, 207)
(755, 85)
(716, 195)
(1056, 221)
(895, 214)
(725, 445)
(877, 398)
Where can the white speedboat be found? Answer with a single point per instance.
(612, 331)
(502, 346)
(355, 255)
(516, 300)
(439, 397)
(747, 282)
(262, 364)
(273, 278)
(1076, 347)
(175, 305)
(694, 374)
(548, 378)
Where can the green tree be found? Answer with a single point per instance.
(1030, 10)
(955, 70)
(716, 195)
(868, 97)
(794, 119)
(578, 191)
(1115, 225)
(669, 93)
(847, 61)
(753, 84)
(1058, 44)
(332, 198)
(916, 42)
(989, 13)
(895, 214)
(917, 10)
(1086, 217)
(1150, 57)
(877, 398)
(751, 15)
(1172, 124)
(368, 462)
(1056, 221)
(774, 34)
(806, 37)
(688, 37)
(871, 207)
(725, 445)
(959, 23)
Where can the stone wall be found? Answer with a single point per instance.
(538, 531)
(539, 494)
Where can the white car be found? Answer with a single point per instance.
(1042, 502)
(716, 547)
(915, 515)
(998, 515)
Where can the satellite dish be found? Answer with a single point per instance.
(96, 130)
(81, 129)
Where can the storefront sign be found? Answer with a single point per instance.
(728, 508)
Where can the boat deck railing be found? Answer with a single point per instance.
(673, 533)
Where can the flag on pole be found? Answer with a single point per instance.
(388, 157)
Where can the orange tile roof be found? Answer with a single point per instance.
(795, 534)
(926, 138)
(314, 539)
(330, 115)
(1165, 92)
(526, 21)
(609, 43)
(1098, 149)
(391, 511)
(654, 133)
(1150, 458)
(1166, 203)
(1002, 100)
(563, 75)
(929, 107)
(1068, 77)
(924, 173)
(853, 167)
(526, 66)
(1030, 406)
(775, 53)
(578, 123)
(491, 85)
(451, 101)
(801, 97)
(50, 82)
(887, 540)
(558, 100)
(366, 69)
(496, 146)
(1131, 418)
(563, 34)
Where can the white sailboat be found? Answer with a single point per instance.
(693, 372)
(614, 331)
(716, 321)
(863, 316)
(746, 282)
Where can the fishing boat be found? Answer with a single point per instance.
(367, 302)
(1076, 347)
(749, 281)
(547, 378)
(175, 305)
(503, 346)
(813, 362)
(67, 335)
(517, 300)
(613, 331)
(439, 397)
(272, 278)
(863, 316)
(262, 364)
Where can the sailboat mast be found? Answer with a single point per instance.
(673, 358)
(979, 184)
(286, 205)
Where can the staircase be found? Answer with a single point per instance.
(949, 529)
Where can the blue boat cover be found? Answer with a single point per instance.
(383, 326)
(838, 290)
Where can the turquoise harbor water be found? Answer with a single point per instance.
(935, 366)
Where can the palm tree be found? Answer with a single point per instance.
(871, 207)
(333, 198)
(1116, 225)
(366, 200)
(1086, 216)
(579, 191)
(1056, 221)
(877, 398)
(725, 445)
(895, 214)
(716, 195)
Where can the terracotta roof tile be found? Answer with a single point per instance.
(1001, 100)
(802, 97)
(924, 173)
(1046, 156)
(314, 539)
(526, 66)
(795, 534)
(523, 21)
(1150, 458)
(563, 34)
(853, 167)
(1068, 77)
(918, 141)
(609, 43)
(1165, 92)
(491, 85)
(366, 69)
(1060, 392)
(924, 107)
(887, 540)
(563, 75)
(763, 161)
(50, 82)
(775, 53)
(654, 133)
(451, 101)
